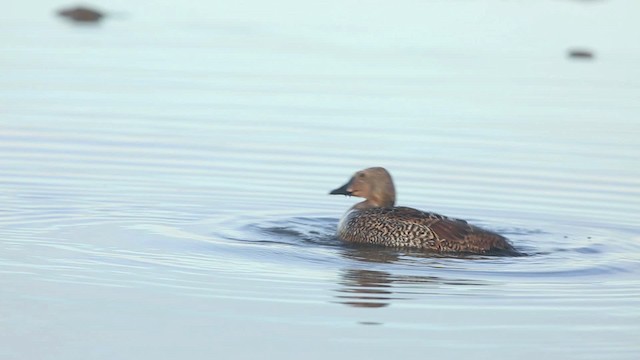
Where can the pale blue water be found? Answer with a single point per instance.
(164, 180)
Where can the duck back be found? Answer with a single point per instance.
(407, 227)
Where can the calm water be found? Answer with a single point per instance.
(164, 180)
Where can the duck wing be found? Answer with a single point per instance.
(448, 234)
(443, 227)
(408, 227)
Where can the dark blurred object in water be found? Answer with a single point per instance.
(581, 54)
(81, 14)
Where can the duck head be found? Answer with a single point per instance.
(374, 184)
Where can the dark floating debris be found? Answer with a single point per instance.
(582, 54)
(81, 14)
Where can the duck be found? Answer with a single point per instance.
(377, 221)
(82, 14)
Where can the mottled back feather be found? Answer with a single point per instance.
(407, 227)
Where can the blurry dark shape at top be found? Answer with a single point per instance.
(81, 14)
(581, 54)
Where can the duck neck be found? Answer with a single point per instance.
(373, 203)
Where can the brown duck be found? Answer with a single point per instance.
(82, 14)
(377, 221)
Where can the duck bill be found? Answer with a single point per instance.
(342, 190)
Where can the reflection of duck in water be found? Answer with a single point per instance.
(377, 221)
(375, 289)
(365, 288)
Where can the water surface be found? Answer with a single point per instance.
(164, 180)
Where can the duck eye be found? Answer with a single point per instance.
(361, 175)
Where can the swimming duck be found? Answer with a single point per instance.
(81, 14)
(377, 220)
